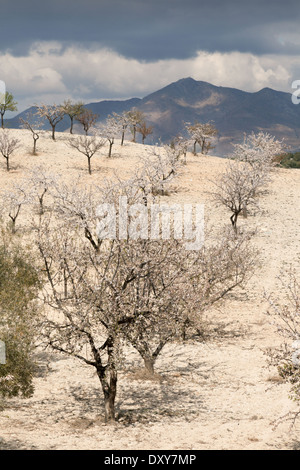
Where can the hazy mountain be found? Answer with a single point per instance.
(233, 111)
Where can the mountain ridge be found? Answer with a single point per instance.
(234, 112)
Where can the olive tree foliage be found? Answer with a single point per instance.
(121, 287)
(72, 110)
(7, 103)
(87, 146)
(52, 113)
(19, 286)
(8, 145)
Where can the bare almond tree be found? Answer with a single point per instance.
(13, 199)
(246, 176)
(34, 127)
(259, 151)
(181, 145)
(52, 113)
(88, 146)
(239, 189)
(144, 130)
(185, 286)
(87, 118)
(100, 293)
(40, 183)
(202, 134)
(8, 145)
(283, 312)
(135, 117)
(158, 168)
(113, 289)
(124, 119)
(109, 130)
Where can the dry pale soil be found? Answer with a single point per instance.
(213, 394)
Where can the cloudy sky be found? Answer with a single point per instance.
(115, 49)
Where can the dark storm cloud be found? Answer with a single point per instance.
(153, 29)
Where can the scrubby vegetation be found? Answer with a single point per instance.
(19, 286)
(289, 160)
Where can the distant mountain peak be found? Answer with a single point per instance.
(186, 80)
(233, 111)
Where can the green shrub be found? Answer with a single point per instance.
(19, 284)
(290, 160)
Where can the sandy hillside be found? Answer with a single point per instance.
(213, 395)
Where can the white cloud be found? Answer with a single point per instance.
(243, 70)
(51, 72)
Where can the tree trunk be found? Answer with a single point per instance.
(53, 131)
(65, 284)
(34, 145)
(89, 166)
(123, 135)
(109, 391)
(195, 152)
(109, 399)
(108, 376)
(41, 202)
(233, 219)
(7, 163)
(2, 121)
(71, 128)
(147, 355)
(134, 134)
(149, 364)
(110, 148)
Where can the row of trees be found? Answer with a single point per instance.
(53, 114)
(116, 124)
